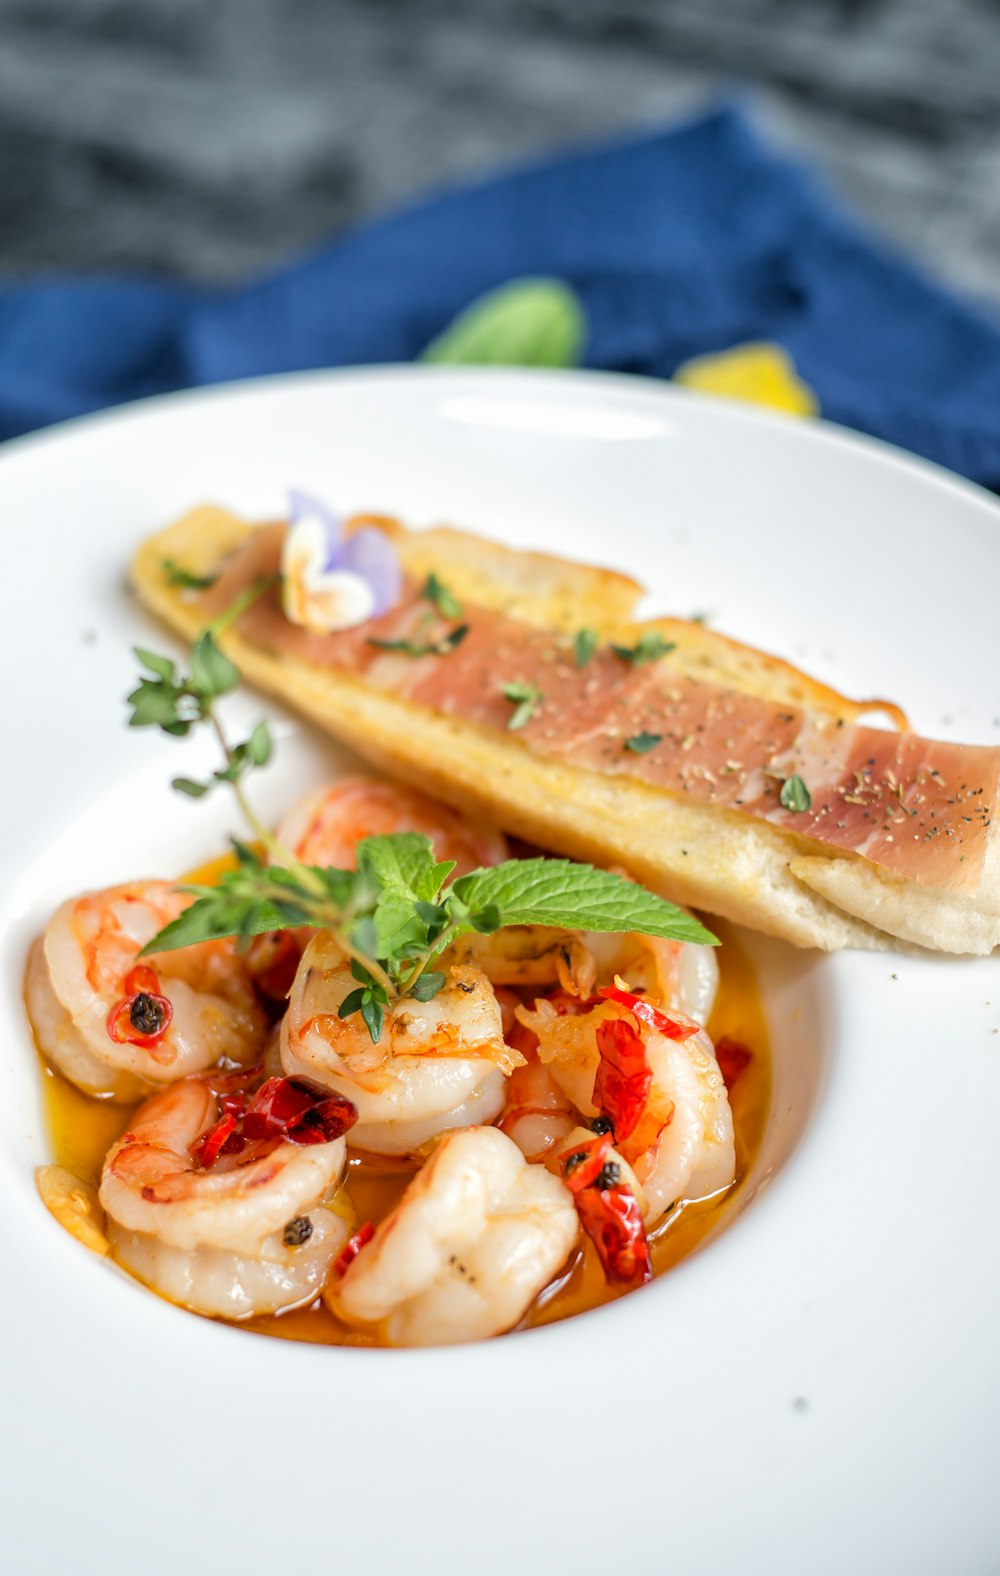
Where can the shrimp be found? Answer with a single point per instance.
(326, 826)
(690, 1152)
(242, 1238)
(476, 1236)
(682, 974)
(117, 1026)
(438, 1064)
(536, 1113)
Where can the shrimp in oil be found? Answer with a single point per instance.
(438, 1064)
(245, 1236)
(117, 1025)
(685, 1147)
(477, 1235)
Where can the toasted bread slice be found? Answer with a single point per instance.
(747, 870)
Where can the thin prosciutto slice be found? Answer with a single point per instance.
(918, 807)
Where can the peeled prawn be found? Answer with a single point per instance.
(325, 827)
(693, 1153)
(117, 1026)
(477, 1235)
(439, 1064)
(235, 1240)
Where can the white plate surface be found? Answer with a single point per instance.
(818, 1389)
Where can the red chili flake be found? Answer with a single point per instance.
(349, 1252)
(673, 1028)
(236, 1081)
(732, 1058)
(612, 1220)
(272, 960)
(624, 1076)
(143, 1017)
(210, 1145)
(583, 1164)
(288, 1108)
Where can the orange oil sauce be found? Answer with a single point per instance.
(81, 1129)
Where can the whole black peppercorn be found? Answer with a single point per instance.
(602, 1124)
(297, 1231)
(146, 1014)
(609, 1175)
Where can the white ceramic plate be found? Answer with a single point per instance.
(817, 1390)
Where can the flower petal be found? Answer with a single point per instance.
(370, 553)
(304, 507)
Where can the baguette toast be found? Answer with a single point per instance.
(750, 870)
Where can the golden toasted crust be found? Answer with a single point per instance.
(744, 870)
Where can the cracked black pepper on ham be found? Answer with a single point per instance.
(722, 777)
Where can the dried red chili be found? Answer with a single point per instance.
(222, 1138)
(349, 1252)
(143, 1016)
(583, 1164)
(288, 1108)
(624, 1076)
(733, 1058)
(612, 1220)
(672, 1028)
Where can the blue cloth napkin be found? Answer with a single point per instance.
(680, 243)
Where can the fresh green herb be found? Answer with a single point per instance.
(650, 647)
(429, 648)
(642, 743)
(177, 575)
(527, 323)
(795, 795)
(584, 646)
(701, 618)
(526, 698)
(398, 911)
(445, 601)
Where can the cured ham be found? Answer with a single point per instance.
(918, 808)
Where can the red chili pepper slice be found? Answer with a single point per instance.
(611, 1218)
(349, 1252)
(624, 1076)
(142, 977)
(672, 1028)
(288, 1108)
(210, 1145)
(583, 1164)
(733, 1058)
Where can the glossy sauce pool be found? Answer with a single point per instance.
(81, 1130)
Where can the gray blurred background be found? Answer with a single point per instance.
(209, 139)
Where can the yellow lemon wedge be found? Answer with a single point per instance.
(761, 373)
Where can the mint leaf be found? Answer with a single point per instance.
(562, 893)
(404, 860)
(527, 323)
